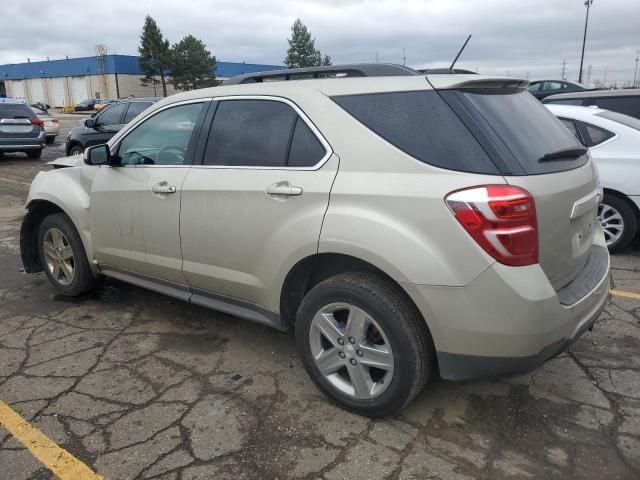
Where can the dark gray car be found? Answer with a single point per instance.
(105, 124)
(625, 101)
(21, 130)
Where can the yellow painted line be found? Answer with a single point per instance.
(64, 465)
(622, 293)
(14, 181)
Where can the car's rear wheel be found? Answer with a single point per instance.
(363, 344)
(34, 154)
(76, 150)
(50, 139)
(619, 222)
(63, 256)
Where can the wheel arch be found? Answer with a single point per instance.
(37, 210)
(625, 198)
(313, 269)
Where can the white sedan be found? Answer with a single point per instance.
(614, 142)
(51, 124)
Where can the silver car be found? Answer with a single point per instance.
(50, 123)
(400, 222)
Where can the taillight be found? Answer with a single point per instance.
(37, 121)
(54, 120)
(501, 219)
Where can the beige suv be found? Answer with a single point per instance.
(400, 222)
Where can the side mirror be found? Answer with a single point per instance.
(89, 123)
(97, 155)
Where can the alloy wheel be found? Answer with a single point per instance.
(351, 351)
(58, 256)
(612, 223)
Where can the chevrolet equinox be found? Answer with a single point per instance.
(400, 222)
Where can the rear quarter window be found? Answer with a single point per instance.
(422, 125)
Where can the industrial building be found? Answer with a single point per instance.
(71, 80)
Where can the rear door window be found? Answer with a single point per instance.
(628, 105)
(422, 125)
(251, 133)
(135, 109)
(111, 116)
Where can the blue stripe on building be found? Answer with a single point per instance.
(122, 64)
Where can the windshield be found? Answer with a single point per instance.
(626, 120)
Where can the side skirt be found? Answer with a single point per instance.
(214, 301)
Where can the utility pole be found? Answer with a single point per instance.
(404, 56)
(564, 65)
(635, 73)
(588, 4)
(604, 82)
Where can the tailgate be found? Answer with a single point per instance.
(18, 128)
(566, 206)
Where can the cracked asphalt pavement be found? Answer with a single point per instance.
(138, 385)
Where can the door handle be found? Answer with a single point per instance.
(163, 187)
(284, 189)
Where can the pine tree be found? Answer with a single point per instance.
(154, 54)
(192, 65)
(326, 61)
(302, 49)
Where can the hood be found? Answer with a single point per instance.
(72, 161)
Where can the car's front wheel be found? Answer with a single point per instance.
(63, 256)
(619, 222)
(363, 343)
(76, 150)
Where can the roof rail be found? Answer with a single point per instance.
(351, 70)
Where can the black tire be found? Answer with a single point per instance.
(50, 140)
(76, 150)
(407, 335)
(629, 218)
(84, 281)
(34, 154)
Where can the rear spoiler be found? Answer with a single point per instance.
(456, 82)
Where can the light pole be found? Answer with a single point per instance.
(588, 4)
(636, 70)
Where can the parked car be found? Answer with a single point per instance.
(103, 103)
(86, 105)
(105, 124)
(362, 211)
(614, 141)
(21, 130)
(621, 101)
(51, 124)
(543, 88)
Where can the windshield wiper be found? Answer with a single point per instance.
(569, 152)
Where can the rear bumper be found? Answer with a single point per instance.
(507, 321)
(22, 144)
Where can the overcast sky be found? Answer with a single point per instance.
(521, 38)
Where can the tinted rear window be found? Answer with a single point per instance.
(422, 125)
(526, 129)
(15, 111)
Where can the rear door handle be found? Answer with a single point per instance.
(163, 187)
(284, 189)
